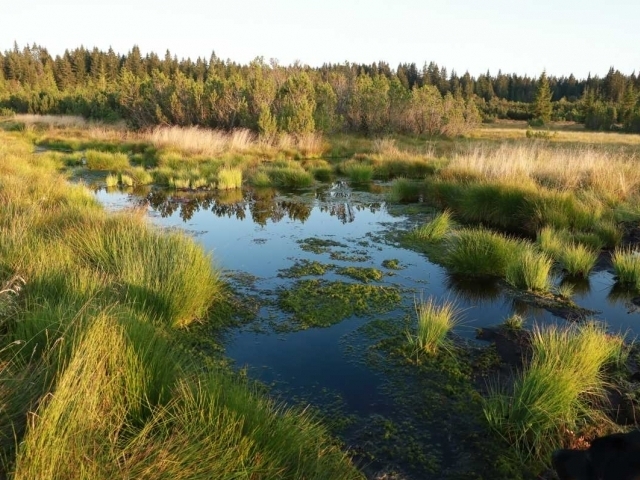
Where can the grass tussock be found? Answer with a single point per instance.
(435, 230)
(558, 388)
(434, 323)
(358, 172)
(405, 190)
(481, 252)
(626, 263)
(575, 258)
(229, 178)
(142, 259)
(115, 162)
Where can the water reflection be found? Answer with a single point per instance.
(263, 204)
(578, 285)
(473, 291)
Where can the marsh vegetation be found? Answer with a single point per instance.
(83, 290)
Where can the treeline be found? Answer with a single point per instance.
(271, 98)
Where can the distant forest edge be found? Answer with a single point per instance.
(270, 98)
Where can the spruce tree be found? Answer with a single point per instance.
(542, 104)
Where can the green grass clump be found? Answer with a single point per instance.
(126, 180)
(556, 390)
(514, 322)
(140, 176)
(626, 263)
(434, 323)
(229, 178)
(404, 190)
(529, 269)
(358, 172)
(290, 176)
(578, 260)
(480, 252)
(142, 259)
(435, 230)
(115, 162)
(322, 174)
(179, 183)
(260, 179)
(111, 180)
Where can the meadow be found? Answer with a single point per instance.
(85, 291)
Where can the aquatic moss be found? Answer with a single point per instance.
(303, 268)
(392, 264)
(363, 274)
(318, 245)
(319, 303)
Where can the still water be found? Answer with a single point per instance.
(256, 234)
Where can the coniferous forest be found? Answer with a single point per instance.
(270, 98)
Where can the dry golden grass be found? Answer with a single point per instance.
(52, 120)
(560, 133)
(202, 141)
(608, 173)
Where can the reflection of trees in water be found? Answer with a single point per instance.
(337, 200)
(263, 204)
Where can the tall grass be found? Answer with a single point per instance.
(482, 252)
(358, 172)
(97, 160)
(229, 178)
(435, 230)
(529, 270)
(404, 190)
(575, 258)
(557, 389)
(434, 323)
(626, 263)
(143, 261)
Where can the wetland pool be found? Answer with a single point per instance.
(270, 242)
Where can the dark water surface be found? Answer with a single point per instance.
(255, 235)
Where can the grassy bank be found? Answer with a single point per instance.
(94, 382)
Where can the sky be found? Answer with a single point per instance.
(515, 36)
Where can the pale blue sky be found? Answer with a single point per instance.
(525, 37)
